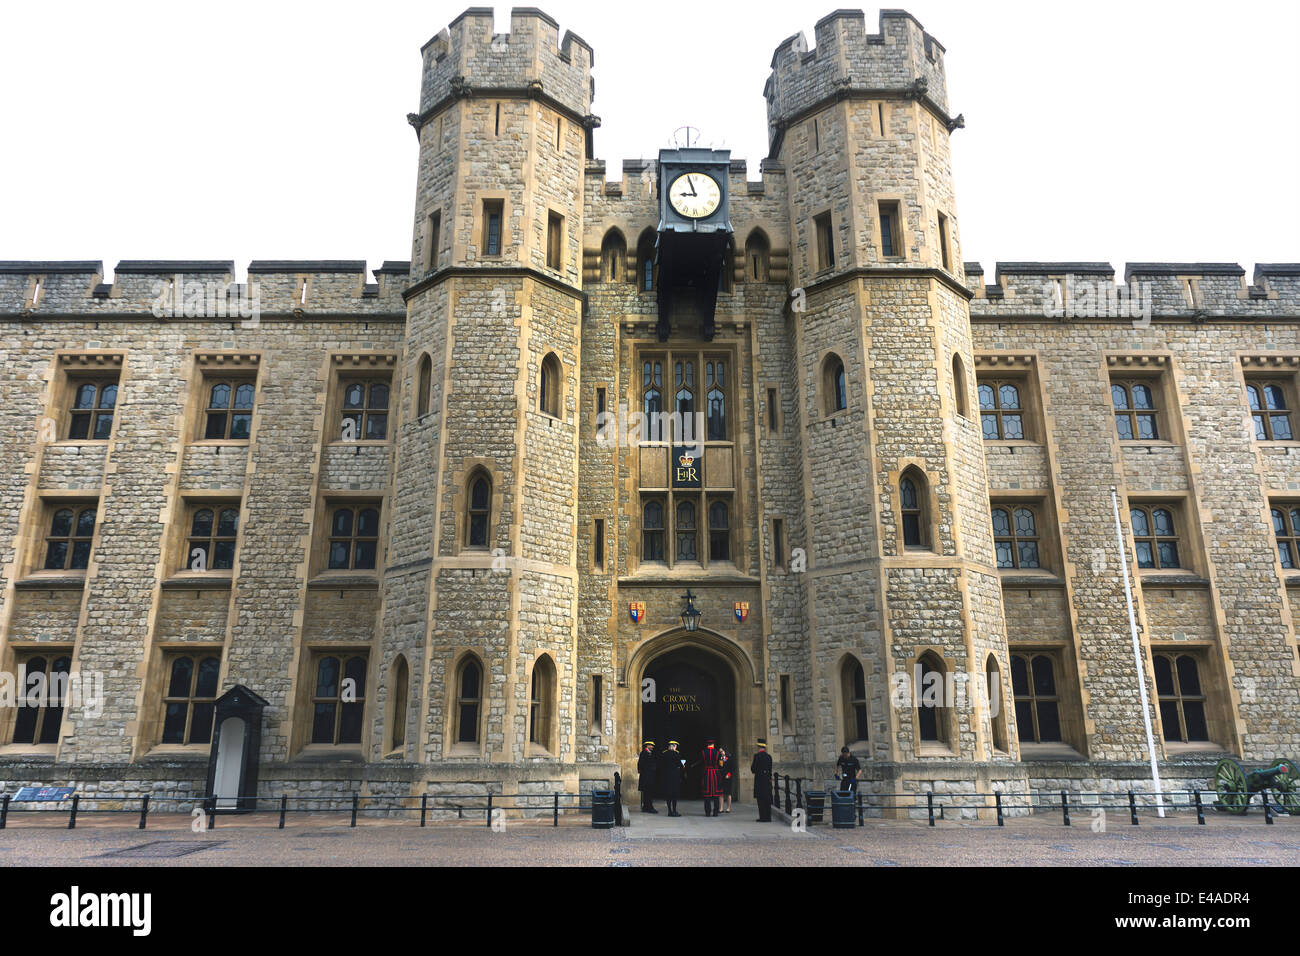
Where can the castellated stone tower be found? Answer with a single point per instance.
(901, 569)
(480, 595)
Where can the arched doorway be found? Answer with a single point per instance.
(693, 699)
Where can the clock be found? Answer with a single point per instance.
(694, 195)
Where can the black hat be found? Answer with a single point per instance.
(762, 742)
(844, 749)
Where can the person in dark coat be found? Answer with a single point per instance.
(847, 769)
(647, 770)
(670, 777)
(761, 768)
(710, 777)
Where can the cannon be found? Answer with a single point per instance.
(1236, 788)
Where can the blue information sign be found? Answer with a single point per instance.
(42, 794)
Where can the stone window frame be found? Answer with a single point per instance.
(1153, 371)
(827, 388)
(1272, 369)
(849, 667)
(1069, 709)
(327, 503)
(78, 509)
(996, 700)
(927, 512)
(645, 262)
(599, 545)
(1011, 508)
(550, 386)
(471, 511)
(76, 368)
(946, 720)
(1032, 698)
(453, 746)
(348, 367)
(943, 236)
(822, 246)
(785, 702)
(543, 711)
(702, 355)
(48, 502)
(490, 202)
(960, 386)
(758, 256)
(19, 657)
(613, 257)
(1018, 369)
(557, 228)
(424, 385)
(460, 501)
(1185, 539)
(306, 697)
(397, 707)
(210, 367)
(773, 413)
(191, 699)
(432, 253)
(1288, 536)
(1180, 698)
(894, 204)
(177, 556)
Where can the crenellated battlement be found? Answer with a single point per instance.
(467, 57)
(902, 59)
(201, 289)
(1191, 290)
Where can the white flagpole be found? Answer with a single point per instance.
(1137, 654)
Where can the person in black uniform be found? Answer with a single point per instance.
(647, 769)
(727, 765)
(761, 768)
(847, 769)
(670, 777)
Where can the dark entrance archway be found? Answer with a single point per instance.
(695, 698)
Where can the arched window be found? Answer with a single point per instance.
(1033, 683)
(652, 396)
(715, 398)
(645, 261)
(1001, 415)
(997, 705)
(835, 396)
(43, 685)
(354, 538)
(338, 704)
(913, 499)
(478, 514)
(1135, 411)
(229, 411)
(853, 691)
(469, 700)
(67, 547)
(1015, 537)
(1269, 411)
(1154, 537)
(425, 394)
(757, 256)
(613, 256)
(719, 531)
(549, 392)
(652, 531)
(687, 536)
(398, 689)
(1182, 702)
(684, 382)
(190, 701)
(91, 415)
(541, 703)
(931, 705)
(959, 390)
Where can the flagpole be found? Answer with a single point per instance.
(1137, 654)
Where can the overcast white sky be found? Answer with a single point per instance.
(1130, 131)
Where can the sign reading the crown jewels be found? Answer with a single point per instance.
(688, 469)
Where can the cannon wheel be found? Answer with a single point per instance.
(1230, 783)
(1287, 784)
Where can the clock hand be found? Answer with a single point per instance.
(690, 182)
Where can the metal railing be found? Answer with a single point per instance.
(465, 807)
(791, 793)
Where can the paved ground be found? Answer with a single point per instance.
(731, 840)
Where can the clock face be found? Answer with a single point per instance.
(694, 195)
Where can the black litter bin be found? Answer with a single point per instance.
(843, 809)
(602, 809)
(814, 802)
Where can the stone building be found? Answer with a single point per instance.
(432, 522)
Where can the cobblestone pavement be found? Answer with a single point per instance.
(731, 840)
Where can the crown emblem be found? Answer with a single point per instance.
(686, 461)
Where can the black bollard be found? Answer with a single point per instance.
(1200, 810)
(144, 810)
(1065, 807)
(997, 799)
(1132, 809)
